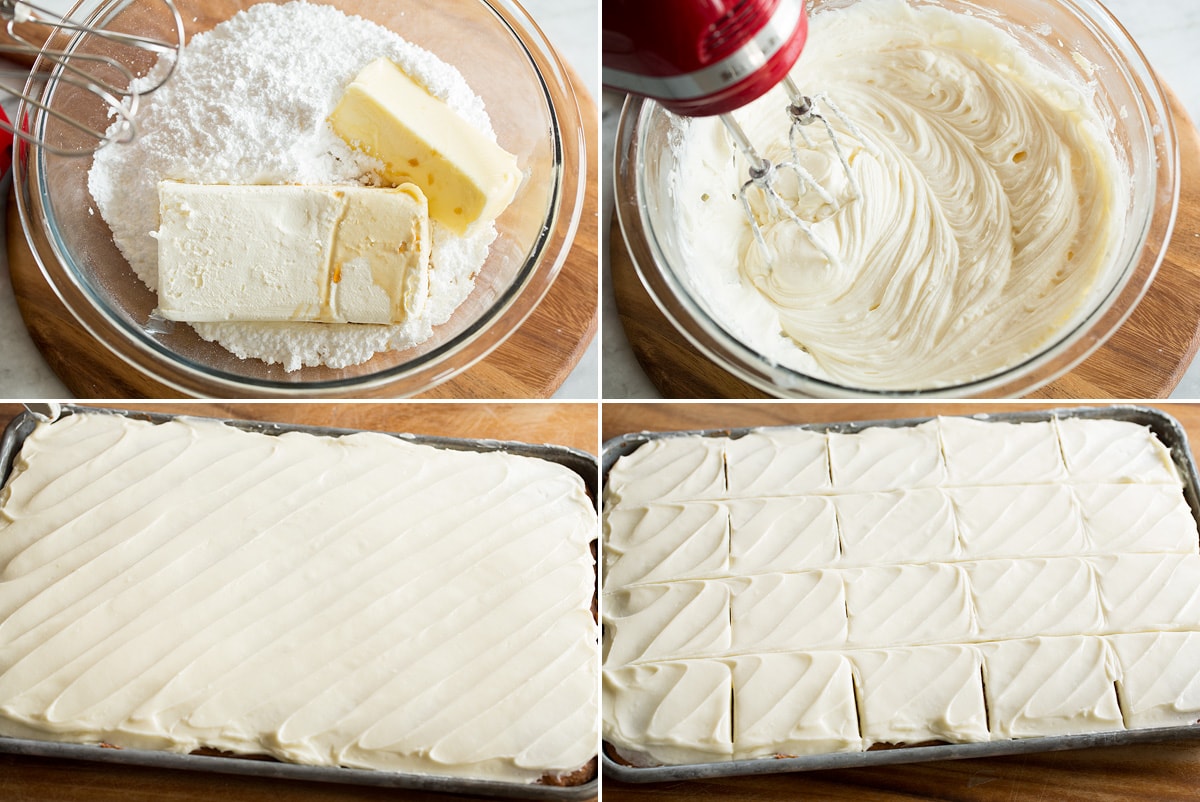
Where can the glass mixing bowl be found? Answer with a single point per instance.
(1075, 38)
(527, 92)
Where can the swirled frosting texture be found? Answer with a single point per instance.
(358, 601)
(992, 200)
(961, 580)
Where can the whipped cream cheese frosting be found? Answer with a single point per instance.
(992, 201)
(999, 588)
(358, 601)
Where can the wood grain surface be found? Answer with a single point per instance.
(532, 363)
(1145, 358)
(26, 779)
(1145, 771)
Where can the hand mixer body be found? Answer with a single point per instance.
(701, 57)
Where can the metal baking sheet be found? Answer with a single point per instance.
(1167, 429)
(580, 462)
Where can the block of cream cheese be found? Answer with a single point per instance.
(466, 176)
(331, 254)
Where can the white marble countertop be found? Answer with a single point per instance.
(571, 25)
(1166, 30)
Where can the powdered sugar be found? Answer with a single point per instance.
(249, 104)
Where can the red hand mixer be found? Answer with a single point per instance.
(709, 57)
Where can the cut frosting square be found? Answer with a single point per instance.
(670, 469)
(1038, 596)
(924, 693)
(1142, 592)
(659, 542)
(1018, 521)
(675, 712)
(796, 703)
(897, 526)
(1051, 686)
(784, 612)
(883, 458)
(980, 452)
(1159, 685)
(1114, 451)
(908, 605)
(647, 623)
(782, 534)
(1136, 518)
(778, 463)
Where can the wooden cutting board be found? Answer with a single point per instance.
(532, 363)
(1146, 771)
(27, 778)
(1145, 358)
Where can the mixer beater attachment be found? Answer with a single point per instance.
(93, 57)
(763, 174)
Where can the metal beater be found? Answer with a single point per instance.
(91, 57)
(802, 110)
(709, 57)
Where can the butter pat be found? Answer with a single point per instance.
(466, 176)
(292, 253)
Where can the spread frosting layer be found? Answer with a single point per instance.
(984, 594)
(991, 203)
(357, 601)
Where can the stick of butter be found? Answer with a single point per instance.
(419, 139)
(328, 254)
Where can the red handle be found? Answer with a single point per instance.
(6, 141)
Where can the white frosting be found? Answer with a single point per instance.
(686, 540)
(793, 704)
(1019, 520)
(909, 605)
(1141, 592)
(359, 601)
(779, 463)
(782, 534)
(677, 620)
(1159, 685)
(673, 712)
(1114, 451)
(669, 469)
(928, 693)
(900, 526)
(881, 458)
(1051, 686)
(1035, 596)
(992, 201)
(933, 548)
(980, 452)
(778, 612)
(1132, 518)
